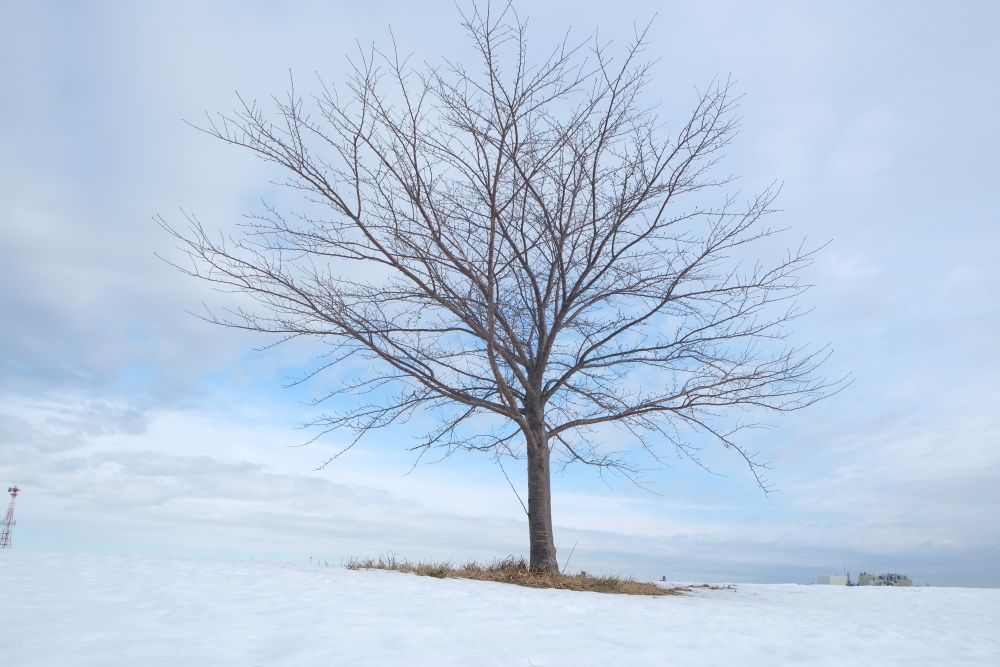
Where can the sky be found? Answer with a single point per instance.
(132, 426)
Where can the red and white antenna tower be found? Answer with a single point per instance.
(8, 521)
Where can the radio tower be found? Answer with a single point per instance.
(8, 521)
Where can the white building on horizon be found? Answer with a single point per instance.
(889, 579)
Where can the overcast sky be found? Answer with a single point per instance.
(133, 427)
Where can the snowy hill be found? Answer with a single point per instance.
(66, 610)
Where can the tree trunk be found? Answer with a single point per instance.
(543, 550)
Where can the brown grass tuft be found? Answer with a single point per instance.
(513, 570)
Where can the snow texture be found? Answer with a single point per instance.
(59, 609)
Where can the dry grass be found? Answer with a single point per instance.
(513, 570)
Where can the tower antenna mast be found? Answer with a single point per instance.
(8, 521)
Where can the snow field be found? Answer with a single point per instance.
(58, 609)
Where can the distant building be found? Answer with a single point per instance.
(891, 579)
(832, 579)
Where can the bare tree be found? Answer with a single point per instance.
(505, 245)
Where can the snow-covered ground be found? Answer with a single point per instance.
(58, 609)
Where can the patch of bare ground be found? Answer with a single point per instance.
(513, 570)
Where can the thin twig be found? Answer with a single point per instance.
(570, 556)
(512, 488)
